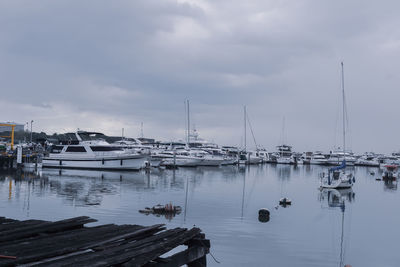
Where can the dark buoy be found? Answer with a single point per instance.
(285, 202)
(263, 212)
(263, 215)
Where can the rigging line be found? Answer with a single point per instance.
(251, 129)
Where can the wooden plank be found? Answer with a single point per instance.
(149, 253)
(72, 241)
(46, 227)
(18, 224)
(181, 258)
(115, 255)
(6, 220)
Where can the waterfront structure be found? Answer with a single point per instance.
(17, 128)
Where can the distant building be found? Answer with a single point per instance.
(18, 127)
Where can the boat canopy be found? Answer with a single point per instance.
(342, 166)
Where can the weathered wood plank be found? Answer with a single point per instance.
(149, 253)
(18, 224)
(68, 242)
(52, 246)
(181, 258)
(46, 227)
(115, 255)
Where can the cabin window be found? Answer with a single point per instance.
(75, 149)
(105, 148)
(56, 149)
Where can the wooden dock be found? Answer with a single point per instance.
(70, 243)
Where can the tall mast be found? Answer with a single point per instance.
(188, 122)
(245, 124)
(344, 117)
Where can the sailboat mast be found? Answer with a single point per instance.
(344, 116)
(245, 124)
(188, 122)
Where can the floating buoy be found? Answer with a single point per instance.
(263, 212)
(285, 201)
(263, 215)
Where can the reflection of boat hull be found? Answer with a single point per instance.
(136, 162)
(182, 162)
(211, 162)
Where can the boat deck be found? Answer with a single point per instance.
(70, 243)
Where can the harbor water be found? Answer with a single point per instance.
(320, 228)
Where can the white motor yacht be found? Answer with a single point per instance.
(335, 158)
(89, 150)
(285, 155)
(318, 159)
(179, 158)
(207, 159)
(368, 159)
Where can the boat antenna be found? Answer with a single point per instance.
(344, 115)
(122, 137)
(141, 129)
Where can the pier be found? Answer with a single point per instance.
(70, 243)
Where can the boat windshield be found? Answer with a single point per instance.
(87, 136)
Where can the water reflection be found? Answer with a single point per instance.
(224, 202)
(390, 185)
(337, 198)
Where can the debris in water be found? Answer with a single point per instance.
(285, 202)
(168, 210)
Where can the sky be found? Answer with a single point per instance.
(106, 65)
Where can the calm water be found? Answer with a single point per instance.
(224, 203)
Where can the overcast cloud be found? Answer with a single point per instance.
(104, 65)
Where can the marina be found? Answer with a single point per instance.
(199, 133)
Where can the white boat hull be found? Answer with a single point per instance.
(285, 160)
(112, 163)
(344, 181)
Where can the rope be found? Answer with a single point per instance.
(209, 252)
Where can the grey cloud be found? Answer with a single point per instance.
(133, 61)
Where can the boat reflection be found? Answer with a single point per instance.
(389, 185)
(337, 198)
